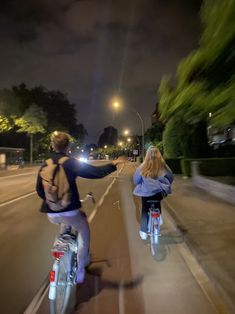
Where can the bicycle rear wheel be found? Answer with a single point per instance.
(154, 234)
(60, 299)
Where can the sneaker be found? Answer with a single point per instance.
(143, 235)
(80, 276)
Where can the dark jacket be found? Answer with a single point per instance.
(73, 169)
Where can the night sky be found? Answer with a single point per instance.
(93, 50)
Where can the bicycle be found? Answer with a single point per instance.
(63, 273)
(154, 225)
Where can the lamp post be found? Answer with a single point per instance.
(116, 106)
(142, 130)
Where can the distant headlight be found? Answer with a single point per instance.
(83, 159)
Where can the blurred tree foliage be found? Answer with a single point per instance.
(16, 107)
(32, 122)
(153, 135)
(9, 109)
(205, 80)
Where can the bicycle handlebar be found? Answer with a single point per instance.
(89, 195)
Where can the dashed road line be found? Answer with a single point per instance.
(17, 199)
(35, 304)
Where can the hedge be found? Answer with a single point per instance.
(174, 164)
(210, 167)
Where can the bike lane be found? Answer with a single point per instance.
(125, 278)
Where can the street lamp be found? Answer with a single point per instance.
(116, 105)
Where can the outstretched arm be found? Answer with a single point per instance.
(87, 171)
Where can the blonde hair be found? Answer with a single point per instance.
(153, 163)
(60, 141)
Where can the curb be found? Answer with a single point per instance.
(192, 247)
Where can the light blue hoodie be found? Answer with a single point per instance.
(147, 186)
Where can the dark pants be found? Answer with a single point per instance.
(145, 209)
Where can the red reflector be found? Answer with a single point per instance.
(155, 215)
(52, 275)
(57, 254)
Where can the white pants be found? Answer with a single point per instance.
(80, 224)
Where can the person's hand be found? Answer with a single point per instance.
(119, 160)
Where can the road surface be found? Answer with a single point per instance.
(123, 276)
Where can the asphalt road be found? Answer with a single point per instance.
(26, 237)
(123, 276)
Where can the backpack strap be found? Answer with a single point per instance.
(62, 160)
(58, 164)
(49, 162)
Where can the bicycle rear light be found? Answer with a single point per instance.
(155, 215)
(52, 276)
(57, 254)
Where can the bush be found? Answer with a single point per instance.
(172, 139)
(174, 164)
(210, 167)
(139, 159)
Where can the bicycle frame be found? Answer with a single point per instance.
(154, 227)
(64, 269)
(62, 275)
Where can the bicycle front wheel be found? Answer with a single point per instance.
(60, 298)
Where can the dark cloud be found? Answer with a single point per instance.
(94, 49)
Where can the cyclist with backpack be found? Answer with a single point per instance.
(152, 180)
(56, 185)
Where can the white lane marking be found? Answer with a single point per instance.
(198, 272)
(121, 298)
(39, 297)
(17, 175)
(17, 199)
(101, 200)
(37, 300)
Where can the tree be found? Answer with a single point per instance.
(60, 111)
(153, 135)
(205, 81)
(79, 133)
(32, 122)
(9, 109)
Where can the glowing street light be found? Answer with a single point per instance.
(129, 139)
(105, 146)
(126, 132)
(116, 105)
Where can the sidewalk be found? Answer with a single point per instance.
(13, 171)
(209, 227)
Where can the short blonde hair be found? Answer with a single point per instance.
(153, 163)
(60, 141)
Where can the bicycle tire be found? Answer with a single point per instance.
(63, 285)
(153, 242)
